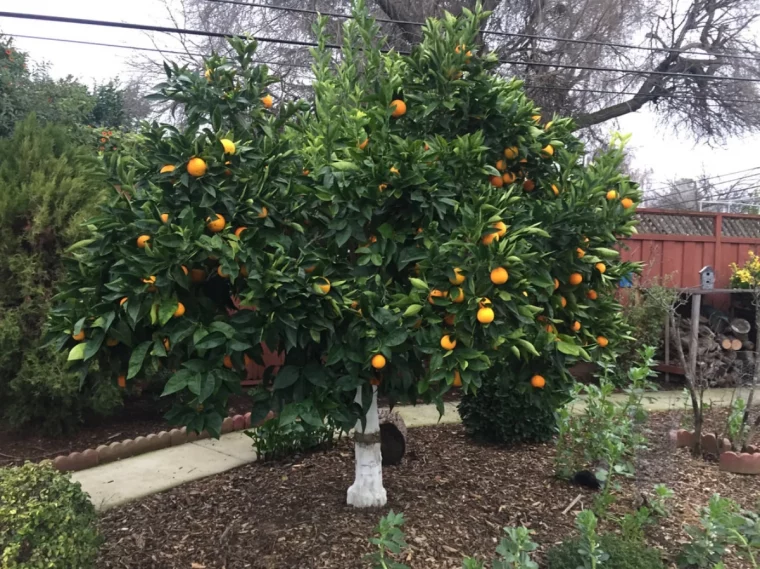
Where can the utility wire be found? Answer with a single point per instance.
(184, 31)
(491, 32)
(665, 186)
(727, 195)
(296, 65)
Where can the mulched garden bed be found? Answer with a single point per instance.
(138, 417)
(455, 494)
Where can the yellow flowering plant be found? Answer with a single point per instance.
(748, 276)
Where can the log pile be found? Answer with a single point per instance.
(724, 352)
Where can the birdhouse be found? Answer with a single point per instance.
(707, 277)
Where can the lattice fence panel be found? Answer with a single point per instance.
(741, 227)
(661, 224)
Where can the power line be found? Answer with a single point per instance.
(140, 48)
(490, 32)
(184, 31)
(664, 186)
(732, 192)
(664, 95)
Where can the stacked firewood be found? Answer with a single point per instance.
(725, 355)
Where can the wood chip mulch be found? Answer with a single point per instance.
(456, 496)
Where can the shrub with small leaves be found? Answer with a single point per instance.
(389, 542)
(284, 436)
(46, 521)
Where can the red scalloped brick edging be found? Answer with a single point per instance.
(729, 461)
(710, 443)
(740, 462)
(141, 445)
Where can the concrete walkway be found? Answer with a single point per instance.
(116, 483)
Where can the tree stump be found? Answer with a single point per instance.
(392, 437)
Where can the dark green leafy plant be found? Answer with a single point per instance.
(589, 547)
(633, 524)
(389, 542)
(622, 555)
(278, 438)
(46, 521)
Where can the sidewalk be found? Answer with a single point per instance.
(117, 483)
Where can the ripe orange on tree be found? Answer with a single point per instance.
(627, 203)
(399, 108)
(602, 341)
(363, 144)
(229, 146)
(457, 298)
(457, 379)
(592, 295)
(324, 285)
(142, 241)
(227, 361)
(378, 361)
(267, 101)
(121, 381)
(575, 279)
(180, 310)
(485, 315)
(601, 267)
(501, 228)
(555, 190)
(435, 293)
(239, 230)
(511, 152)
(611, 195)
(215, 224)
(529, 185)
(497, 181)
(580, 253)
(111, 342)
(562, 301)
(547, 151)
(167, 169)
(509, 178)
(499, 276)
(78, 337)
(556, 284)
(165, 217)
(459, 278)
(196, 167)
(122, 301)
(576, 326)
(501, 165)
(197, 275)
(448, 343)
(221, 273)
(538, 381)
(264, 212)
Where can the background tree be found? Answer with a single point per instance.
(732, 193)
(700, 37)
(422, 228)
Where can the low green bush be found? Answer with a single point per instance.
(500, 412)
(46, 521)
(277, 439)
(622, 555)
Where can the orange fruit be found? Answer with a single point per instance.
(447, 343)
(602, 341)
(166, 169)
(501, 165)
(207, 74)
(305, 172)
(122, 301)
(460, 48)
(449, 319)
(325, 286)
(611, 195)
(111, 342)
(547, 151)
(536, 118)
(499, 276)
(165, 217)
(459, 278)
(197, 275)
(264, 212)
(142, 241)
(457, 379)
(485, 315)
(378, 361)
(563, 301)
(591, 295)
(239, 230)
(538, 381)
(511, 152)
(509, 178)
(459, 298)
(150, 280)
(489, 238)
(529, 185)
(122, 381)
(196, 167)
(78, 337)
(267, 101)
(549, 328)
(399, 108)
(435, 293)
(501, 227)
(247, 360)
(484, 303)
(243, 271)
(580, 253)
(626, 202)
(229, 146)
(556, 284)
(548, 125)
(167, 344)
(497, 181)
(311, 269)
(575, 279)
(180, 310)
(363, 144)
(227, 361)
(216, 224)
(601, 267)
(221, 273)
(576, 326)
(555, 189)
(184, 269)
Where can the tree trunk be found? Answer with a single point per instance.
(367, 490)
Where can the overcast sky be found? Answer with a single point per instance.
(659, 149)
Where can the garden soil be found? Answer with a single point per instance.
(456, 496)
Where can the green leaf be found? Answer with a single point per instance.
(606, 253)
(224, 328)
(194, 383)
(286, 377)
(213, 340)
(80, 244)
(567, 348)
(531, 349)
(166, 310)
(412, 309)
(177, 382)
(137, 358)
(418, 283)
(77, 352)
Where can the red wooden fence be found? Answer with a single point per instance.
(675, 245)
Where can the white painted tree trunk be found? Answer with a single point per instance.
(367, 490)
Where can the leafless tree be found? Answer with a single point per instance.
(730, 193)
(699, 40)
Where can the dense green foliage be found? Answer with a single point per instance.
(46, 521)
(385, 207)
(49, 188)
(279, 438)
(622, 555)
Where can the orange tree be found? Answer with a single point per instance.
(418, 228)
